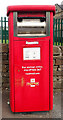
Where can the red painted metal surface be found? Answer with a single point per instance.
(33, 8)
(24, 97)
(33, 14)
(31, 98)
(11, 62)
(51, 61)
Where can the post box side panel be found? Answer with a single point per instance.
(51, 60)
(31, 76)
(11, 62)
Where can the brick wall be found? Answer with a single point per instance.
(57, 66)
(5, 65)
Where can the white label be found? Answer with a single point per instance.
(32, 85)
(32, 80)
(35, 42)
(31, 53)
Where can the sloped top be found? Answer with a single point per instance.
(61, 7)
(30, 8)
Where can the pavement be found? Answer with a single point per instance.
(55, 113)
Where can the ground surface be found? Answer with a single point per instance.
(55, 113)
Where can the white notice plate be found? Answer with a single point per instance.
(32, 53)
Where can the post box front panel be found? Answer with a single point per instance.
(31, 73)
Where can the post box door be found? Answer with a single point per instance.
(31, 73)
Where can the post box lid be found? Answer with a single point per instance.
(29, 8)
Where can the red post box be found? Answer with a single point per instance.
(31, 57)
